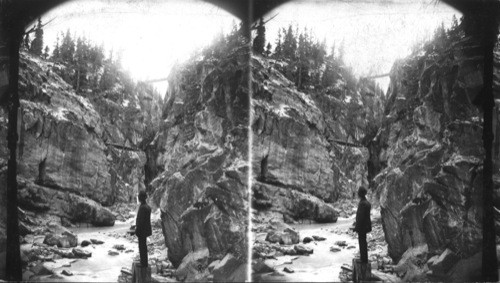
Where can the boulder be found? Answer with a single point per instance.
(51, 240)
(230, 269)
(287, 237)
(65, 253)
(334, 249)
(444, 262)
(307, 240)
(111, 252)
(96, 242)
(103, 217)
(341, 243)
(273, 237)
(192, 264)
(119, 247)
(85, 243)
(288, 270)
(413, 264)
(318, 238)
(289, 251)
(303, 250)
(81, 253)
(260, 266)
(467, 270)
(66, 272)
(41, 269)
(68, 240)
(296, 204)
(27, 275)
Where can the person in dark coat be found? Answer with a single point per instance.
(143, 227)
(363, 223)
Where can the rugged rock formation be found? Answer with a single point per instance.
(430, 191)
(201, 189)
(307, 145)
(78, 152)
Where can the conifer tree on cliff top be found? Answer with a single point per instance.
(260, 40)
(37, 43)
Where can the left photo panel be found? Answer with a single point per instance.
(128, 125)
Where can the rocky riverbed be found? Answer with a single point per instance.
(84, 253)
(316, 252)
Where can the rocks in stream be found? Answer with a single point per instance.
(66, 272)
(288, 269)
(318, 238)
(287, 237)
(96, 242)
(66, 240)
(341, 243)
(307, 240)
(260, 266)
(112, 253)
(334, 249)
(85, 243)
(303, 250)
(119, 247)
(81, 253)
(41, 269)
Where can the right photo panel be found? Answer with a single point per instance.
(367, 147)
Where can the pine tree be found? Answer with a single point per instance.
(46, 52)
(268, 49)
(260, 40)
(278, 48)
(56, 53)
(81, 64)
(37, 43)
(67, 49)
(289, 44)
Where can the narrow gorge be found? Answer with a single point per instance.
(419, 151)
(252, 157)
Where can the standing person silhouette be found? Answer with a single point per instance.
(143, 227)
(363, 223)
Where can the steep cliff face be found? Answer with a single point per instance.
(72, 157)
(201, 188)
(307, 150)
(430, 191)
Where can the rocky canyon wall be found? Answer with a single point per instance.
(76, 151)
(431, 188)
(201, 159)
(307, 144)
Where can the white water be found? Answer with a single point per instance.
(101, 267)
(321, 266)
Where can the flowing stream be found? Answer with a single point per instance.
(100, 267)
(321, 266)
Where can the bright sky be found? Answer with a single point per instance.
(375, 33)
(152, 34)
